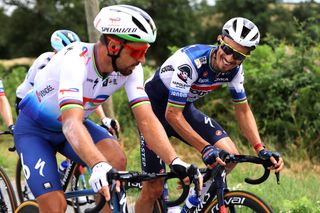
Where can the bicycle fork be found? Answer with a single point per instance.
(217, 187)
(220, 181)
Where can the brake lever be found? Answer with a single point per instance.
(12, 149)
(111, 191)
(278, 177)
(193, 174)
(196, 185)
(276, 155)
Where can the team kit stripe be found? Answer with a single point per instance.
(176, 104)
(139, 101)
(85, 100)
(206, 88)
(69, 106)
(139, 104)
(240, 101)
(70, 101)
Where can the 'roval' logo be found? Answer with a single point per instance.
(231, 200)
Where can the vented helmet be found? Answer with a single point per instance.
(243, 31)
(127, 22)
(61, 38)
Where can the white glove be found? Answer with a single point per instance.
(98, 177)
(112, 125)
(107, 122)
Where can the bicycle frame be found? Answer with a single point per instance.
(7, 192)
(217, 188)
(218, 185)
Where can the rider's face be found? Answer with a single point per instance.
(224, 62)
(132, 54)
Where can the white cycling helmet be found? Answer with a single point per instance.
(243, 31)
(61, 38)
(127, 22)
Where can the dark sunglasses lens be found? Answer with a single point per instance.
(238, 56)
(228, 50)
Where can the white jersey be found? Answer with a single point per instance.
(37, 65)
(71, 79)
(1, 88)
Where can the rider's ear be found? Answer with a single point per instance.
(112, 48)
(219, 39)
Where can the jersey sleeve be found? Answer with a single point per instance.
(1, 89)
(236, 88)
(72, 76)
(37, 65)
(183, 76)
(135, 89)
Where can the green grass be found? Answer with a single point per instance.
(8, 159)
(298, 191)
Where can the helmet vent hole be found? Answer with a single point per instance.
(255, 37)
(141, 27)
(245, 32)
(64, 43)
(133, 35)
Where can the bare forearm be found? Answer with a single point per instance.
(248, 126)
(100, 113)
(154, 134)
(5, 110)
(183, 128)
(177, 121)
(81, 142)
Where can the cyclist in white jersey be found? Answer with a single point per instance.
(77, 80)
(59, 39)
(191, 73)
(5, 109)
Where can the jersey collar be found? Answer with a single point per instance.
(95, 62)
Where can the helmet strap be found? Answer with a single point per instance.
(113, 56)
(114, 60)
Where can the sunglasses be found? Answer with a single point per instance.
(136, 52)
(227, 49)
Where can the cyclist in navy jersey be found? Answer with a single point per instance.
(80, 77)
(191, 73)
(5, 109)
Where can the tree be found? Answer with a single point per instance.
(4, 19)
(92, 9)
(33, 22)
(256, 11)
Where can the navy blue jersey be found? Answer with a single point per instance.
(187, 75)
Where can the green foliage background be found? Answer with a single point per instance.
(282, 83)
(282, 77)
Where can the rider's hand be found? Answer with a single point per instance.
(180, 168)
(112, 124)
(210, 156)
(274, 157)
(11, 129)
(98, 179)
